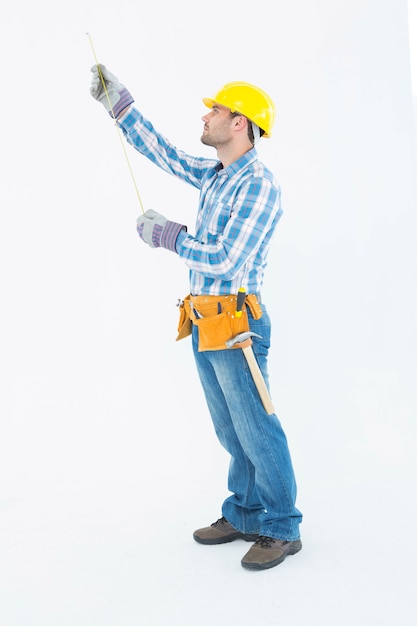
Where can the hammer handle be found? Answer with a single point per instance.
(258, 379)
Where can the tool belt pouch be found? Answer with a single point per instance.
(184, 323)
(215, 318)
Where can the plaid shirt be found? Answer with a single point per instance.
(238, 210)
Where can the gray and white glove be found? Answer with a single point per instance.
(158, 232)
(117, 97)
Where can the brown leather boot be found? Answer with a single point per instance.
(221, 532)
(267, 552)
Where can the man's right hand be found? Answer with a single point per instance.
(115, 97)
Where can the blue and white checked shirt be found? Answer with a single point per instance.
(238, 210)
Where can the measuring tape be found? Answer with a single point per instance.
(117, 126)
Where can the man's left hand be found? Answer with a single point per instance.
(157, 231)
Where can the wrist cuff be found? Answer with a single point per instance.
(169, 235)
(123, 102)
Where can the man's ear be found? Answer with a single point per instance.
(240, 122)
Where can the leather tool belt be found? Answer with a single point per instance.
(215, 317)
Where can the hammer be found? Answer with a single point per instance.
(244, 341)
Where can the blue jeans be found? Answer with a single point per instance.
(261, 476)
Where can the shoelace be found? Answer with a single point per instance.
(220, 522)
(264, 542)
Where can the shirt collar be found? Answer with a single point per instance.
(240, 163)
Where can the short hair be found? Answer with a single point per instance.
(250, 129)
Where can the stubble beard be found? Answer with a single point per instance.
(208, 140)
(205, 139)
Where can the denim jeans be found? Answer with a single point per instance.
(261, 476)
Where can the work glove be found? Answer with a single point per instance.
(158, 232)
(117, 97)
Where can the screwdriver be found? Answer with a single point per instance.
(241, 295)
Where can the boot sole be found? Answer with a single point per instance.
(225, 539)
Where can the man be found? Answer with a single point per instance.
(239, 207)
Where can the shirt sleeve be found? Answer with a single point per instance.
(253, 217)
(142, 135)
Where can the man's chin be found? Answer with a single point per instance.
(205, 140)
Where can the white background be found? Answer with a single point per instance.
(108, 458)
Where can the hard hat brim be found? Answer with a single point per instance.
(208, 102)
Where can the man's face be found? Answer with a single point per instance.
(217, 127)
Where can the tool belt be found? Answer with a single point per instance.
(216, 319)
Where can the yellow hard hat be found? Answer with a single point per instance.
(248, 100)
